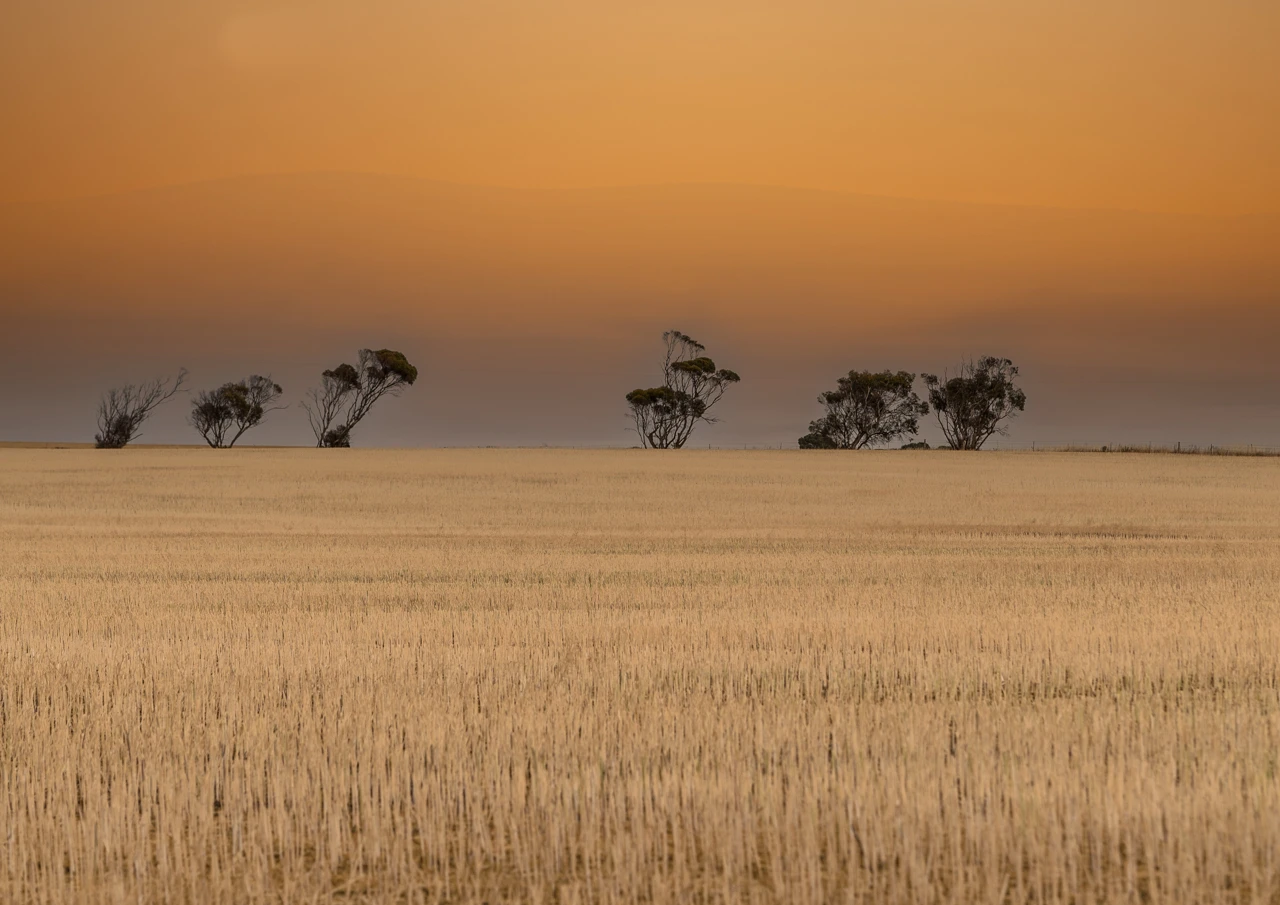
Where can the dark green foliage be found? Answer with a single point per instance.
(976, 403)
(919, 444)
(665, 416)
(222, 416)
(344, 375)
(866, 409)
(817, 439)
(697, 366)
(348, 392)
(114, 433)
(387, 364)
(652, 396)
(337, 438)
(121, 411)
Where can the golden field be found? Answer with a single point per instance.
(614, 676)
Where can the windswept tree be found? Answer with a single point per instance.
(977, 402)
(666, 415)
(223, 415)
(121, 410)
(347, 393)
(867, 409)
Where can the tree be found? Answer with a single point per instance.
(665, 416)
(122, 410)
(324, 405)
(348, 392)
(977, 402)
(223, 415)
(866, 409)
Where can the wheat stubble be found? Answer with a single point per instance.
(611, 676)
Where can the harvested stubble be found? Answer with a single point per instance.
(549, 676)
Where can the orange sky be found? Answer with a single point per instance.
(519, 196)
(1149, 104)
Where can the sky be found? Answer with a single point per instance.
(523, 196)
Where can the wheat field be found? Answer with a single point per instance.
(557, 676)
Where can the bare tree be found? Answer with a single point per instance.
(977, 402)
(665, 416)
(122, 410)
(866, 409)
(347, 393)
(223, 415)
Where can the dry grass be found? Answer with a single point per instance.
(547, 676)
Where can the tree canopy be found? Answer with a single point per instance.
(866, 409)
(122, 410)
(222, 416)
(977, 402)
(665, 416)
(348, 392)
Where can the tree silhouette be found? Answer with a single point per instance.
(866, 409)
(977, 402)
(347, 393)
(666, 415)
(223, 415)
(122, 410)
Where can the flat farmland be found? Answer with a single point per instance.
(558, 676)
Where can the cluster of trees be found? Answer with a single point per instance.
(869, 409)
(345, 396)
(865, 409)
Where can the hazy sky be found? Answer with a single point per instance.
(1097, 185)
(1150, 104)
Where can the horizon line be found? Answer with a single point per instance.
(1245, 450)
